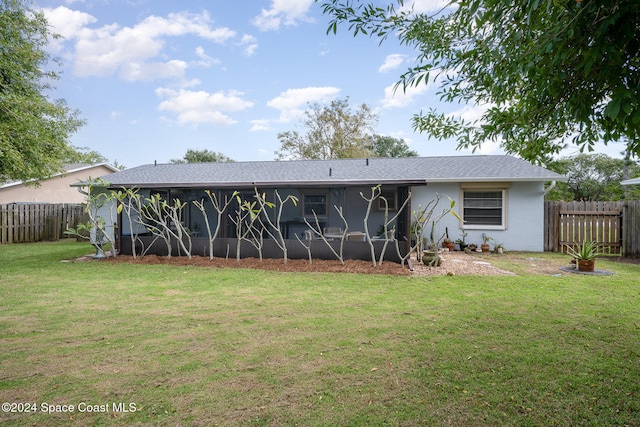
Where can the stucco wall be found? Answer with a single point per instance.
(525, 215)
(54, 190)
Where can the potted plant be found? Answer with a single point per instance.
(471, 248)
(431, 257)
(498, 248)
(585, 255)
(461, 242)
(485, 243)
(447, 242)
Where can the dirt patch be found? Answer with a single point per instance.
(454, 263)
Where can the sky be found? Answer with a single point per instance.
(155, 78)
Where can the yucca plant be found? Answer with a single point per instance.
(586, 251)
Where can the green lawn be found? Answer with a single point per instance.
(201, 346)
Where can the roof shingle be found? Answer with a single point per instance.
(411, 170)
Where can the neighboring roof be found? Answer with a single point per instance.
(631, 181)
(68, 168)
(410, 171)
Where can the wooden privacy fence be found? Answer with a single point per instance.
(614, 225)
(24, 223)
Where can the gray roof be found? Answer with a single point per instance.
(409, 171)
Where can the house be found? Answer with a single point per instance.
(496, 196)
(633, 181)
(56, 189)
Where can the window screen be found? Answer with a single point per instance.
(315, 203)
(483, 207)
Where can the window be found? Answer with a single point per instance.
(315, 203)
(484, 208)
(391, 198)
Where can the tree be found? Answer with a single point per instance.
(333, 132)
(591, 177)
(387, 146)
(34, 130)
(202, 156)
(85, 155)
(549, 73)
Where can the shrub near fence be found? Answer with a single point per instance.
(25, 223)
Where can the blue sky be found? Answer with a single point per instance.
(155, 78)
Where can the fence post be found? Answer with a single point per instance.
(3, 223)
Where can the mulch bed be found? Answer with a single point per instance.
(292, 265)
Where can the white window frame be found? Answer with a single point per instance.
(484, 187)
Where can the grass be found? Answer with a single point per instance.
(200, 346)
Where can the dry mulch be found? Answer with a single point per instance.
(272, 264)
(454, 263)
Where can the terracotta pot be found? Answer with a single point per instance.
(586, 264)
(485, 248)
(450, 246)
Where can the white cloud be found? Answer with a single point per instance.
(283, 12)
(471, 113)
(396, 97)
(293, 102)
(260, 125)
(205, 60)
(474, 113)
(489, 147)
(426, 6)
(129, 51)
(249, 44)
(202, 107)
(392, 62)
(149, 71)
(67, 23)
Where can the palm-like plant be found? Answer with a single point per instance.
(586, 251)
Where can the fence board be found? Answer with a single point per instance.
(616, 225)
(23, 223)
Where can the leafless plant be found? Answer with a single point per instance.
(317, 230)
(307, 247)
(375, 193)
(165, 220)
(275, 226)
(130, 200)
(388, 221)
(220, 208)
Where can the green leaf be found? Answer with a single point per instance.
(613, 109)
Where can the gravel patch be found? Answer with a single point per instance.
(458, 264)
